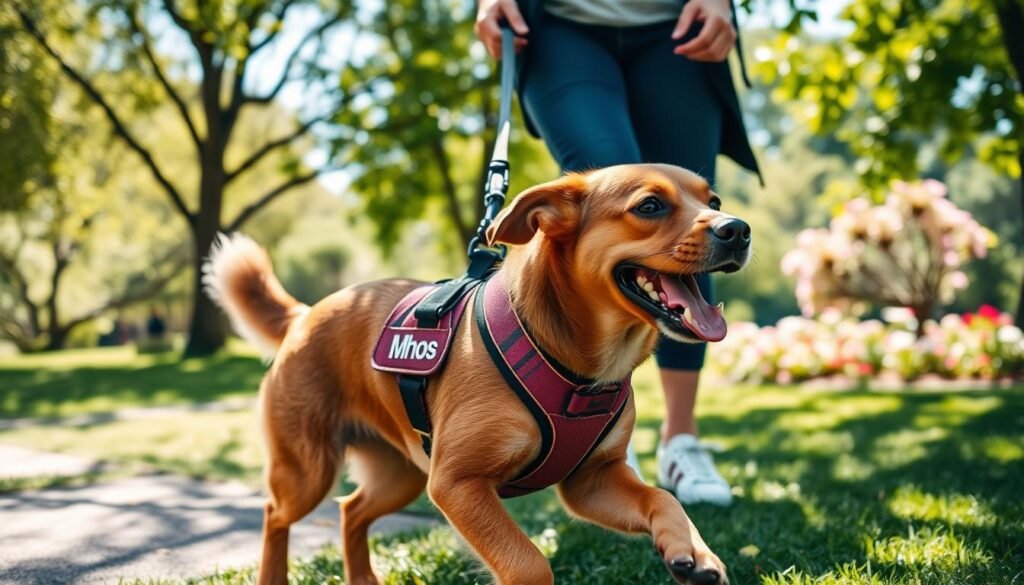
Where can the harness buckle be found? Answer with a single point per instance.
(591, 399)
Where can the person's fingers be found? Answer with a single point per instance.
(510, 10)
(520, 43)
(488, 32)
(686, 18)
(716, 53)
(703, 41)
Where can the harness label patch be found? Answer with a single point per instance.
(404, 347)
(410, 350)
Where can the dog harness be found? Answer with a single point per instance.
(573, 413)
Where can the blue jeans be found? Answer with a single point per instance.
(602, 96)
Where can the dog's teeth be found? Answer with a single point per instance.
(649, 286)
(641, 280)
(688, 318)
(653, 295)
(720, 306)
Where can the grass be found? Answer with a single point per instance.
(832, 488)
(100, 380)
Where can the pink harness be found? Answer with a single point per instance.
(573, 414)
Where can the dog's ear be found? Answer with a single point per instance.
(552, 208)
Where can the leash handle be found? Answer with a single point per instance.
(496, 183)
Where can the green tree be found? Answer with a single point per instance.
(420, 147)
(86, 243)
(910, 75)
(26, 86)
(225, 40)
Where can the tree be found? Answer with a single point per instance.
(420, 147)
(73, 253)
(225, 39)
(909, 75)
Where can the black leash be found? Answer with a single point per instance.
(482, 259)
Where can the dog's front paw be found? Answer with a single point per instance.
(705, 570)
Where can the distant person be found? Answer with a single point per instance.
(156, 327)
(607, 82)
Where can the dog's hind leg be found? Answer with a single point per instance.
(387, 483)
(299, 474)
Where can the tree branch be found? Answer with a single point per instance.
(279, 15)
(273, 145)
(119, 128)
(9, 266)
(269, 196)
(152, 287)
(290, 62)
(147, 49)
(450, 189)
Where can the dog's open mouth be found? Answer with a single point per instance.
(674, 301)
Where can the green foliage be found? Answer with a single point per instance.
(26, 86)
(419, 146)
(907, 77)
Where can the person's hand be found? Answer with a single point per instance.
(716, 36)
(489, 14)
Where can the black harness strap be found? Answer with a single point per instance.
(414, 389)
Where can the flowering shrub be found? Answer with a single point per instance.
(983, 345)
(904, 253)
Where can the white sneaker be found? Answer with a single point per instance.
(686, 469)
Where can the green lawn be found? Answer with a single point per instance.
(853, 487)
(100, 380)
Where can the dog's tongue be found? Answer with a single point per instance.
(704, 320)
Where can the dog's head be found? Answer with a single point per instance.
(636, 235)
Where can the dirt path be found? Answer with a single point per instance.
(150, 527)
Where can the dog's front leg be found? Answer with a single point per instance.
(473, 508)
(607, 492)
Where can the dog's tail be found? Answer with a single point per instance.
(238, 276)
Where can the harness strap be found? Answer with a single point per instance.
(573, 413)
(414, 397)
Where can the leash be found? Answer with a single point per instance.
(482, 259)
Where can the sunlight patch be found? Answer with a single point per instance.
(932, 548)
(911, 503)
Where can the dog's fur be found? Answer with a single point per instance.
(321, 403)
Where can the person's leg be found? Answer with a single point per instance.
(574, 91)
(677, 117)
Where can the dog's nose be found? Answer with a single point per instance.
(732, 233)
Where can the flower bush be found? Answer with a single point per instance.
(906, 252)
(983, 345)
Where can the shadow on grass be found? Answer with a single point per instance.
(926, 488)
(46, 392)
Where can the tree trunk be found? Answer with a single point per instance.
(57, 339)
(207, 330)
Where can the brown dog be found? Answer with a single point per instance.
(580, 247)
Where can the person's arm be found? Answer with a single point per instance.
(488, 16)
(717, 35)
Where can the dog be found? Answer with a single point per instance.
(582, 250)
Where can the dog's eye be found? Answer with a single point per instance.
(650, 207)
(715, 203)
